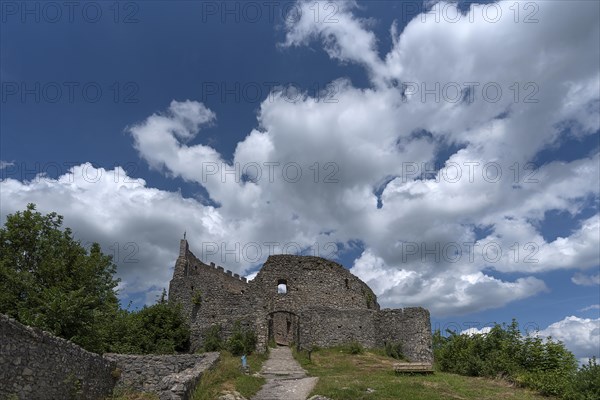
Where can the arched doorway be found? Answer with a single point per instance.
(284, 327)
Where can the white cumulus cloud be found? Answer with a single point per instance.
(586, 280)
(580, 335)
(316, 175)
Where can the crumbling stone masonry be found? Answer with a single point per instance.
(305, 300)
(172, 377)
(37, 365)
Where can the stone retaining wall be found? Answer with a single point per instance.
(173, 377)
(37, 365)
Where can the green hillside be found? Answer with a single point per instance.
(371, 376)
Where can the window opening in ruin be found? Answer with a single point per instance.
(346, 283)
(282, 286)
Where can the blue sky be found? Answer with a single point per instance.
(126, 110)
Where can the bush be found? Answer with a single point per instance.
(394, 350)
(197, 297)
(543, 365)
(116, 373)
(548, 383)
(212, 339)
(156, 329)
(586, 382)
(242, 341)
(354, 347)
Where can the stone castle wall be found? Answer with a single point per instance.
(311, 282)
(372, 328)
(37, 365)
(325, 327)
(409, 326)
(209, 295)
(324, 305)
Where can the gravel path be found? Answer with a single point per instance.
(286, 379)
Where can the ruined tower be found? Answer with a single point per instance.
(305, 300)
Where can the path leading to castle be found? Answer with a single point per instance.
(286, 379)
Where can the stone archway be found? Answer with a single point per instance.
(284, 327)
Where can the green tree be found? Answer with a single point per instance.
(162, 328)
(49, 280)
(586, 383)
(157, 329)
(541, 364)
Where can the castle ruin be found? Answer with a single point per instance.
(305, 300)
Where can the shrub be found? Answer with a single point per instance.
(197, 297)
(548, 383)
(543, 365)
(354, 347)
(586, 382)
(212, 339)
(369, 297)
(116, 373)
(156, 329)
(394, 350)
(242, 341)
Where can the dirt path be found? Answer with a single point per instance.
(286, 379)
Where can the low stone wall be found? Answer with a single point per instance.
(37, 365)
(172, 377)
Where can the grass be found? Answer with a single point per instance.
(346, 376)
(227, 375)
(125, 394)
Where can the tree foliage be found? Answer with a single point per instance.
(242, 340)
(156, 329)
(586, 385)
(541, 364)
(212, 339)
(50, 281)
